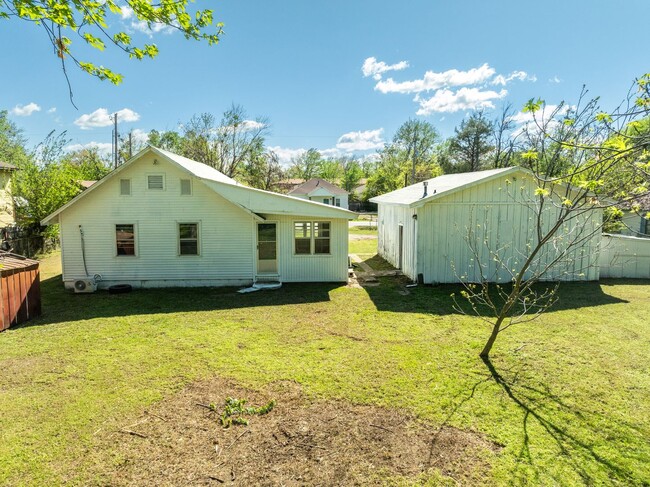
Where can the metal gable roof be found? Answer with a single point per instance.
(210, 175)
(413, 195)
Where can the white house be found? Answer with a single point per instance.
(443, 230)
(317, 189)
(7, 211)
(164, 220)
(635, 222)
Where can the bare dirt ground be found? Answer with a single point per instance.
(300, 442)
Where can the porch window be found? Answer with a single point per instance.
(188, 239)
(312, 238)
(125, 239)
(302, 235)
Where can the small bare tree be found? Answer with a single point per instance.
(580, 161)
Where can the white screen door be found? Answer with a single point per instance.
(267, 258)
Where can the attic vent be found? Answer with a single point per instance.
(125, 187)
(155, 181)
(186, 187)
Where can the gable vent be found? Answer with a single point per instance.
(155, 181)
(186, 187)
(125, 187)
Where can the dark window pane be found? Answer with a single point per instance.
(321, 229)
(189, 247)
(302, 229)
(266, 232)
(322, 246)
(125, 239)
(267, 250)
(188, 230)
(303, 246)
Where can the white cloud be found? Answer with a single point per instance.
(374, 68)
(434, 81)
(126, 12)
(361, 141)
(152, 28)
(542, 114)
(25, 110)
(101, 118)
(285, 155)
(447, 101)
(103, 147)
(555, 79)
(502, 80)
(140, 136)
(52, 110)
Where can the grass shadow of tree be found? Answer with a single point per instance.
(557, 419)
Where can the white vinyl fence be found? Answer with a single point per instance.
(623, 256)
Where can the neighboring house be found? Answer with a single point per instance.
(635, 222)
(164, 220)
(322, 191)
(287, 185)
(424, 229)
(7, 210)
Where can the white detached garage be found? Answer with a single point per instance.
(161, 219)
(425, 229)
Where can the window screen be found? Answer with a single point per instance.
(186, 186)
(188, 238)
(125, 187)
(125, 239)
(302, 237)
(155, 181)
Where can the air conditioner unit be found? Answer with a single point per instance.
(85, 286)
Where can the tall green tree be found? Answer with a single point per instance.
(306, 165)
(470, 148)
(414, 145)
(12, 141)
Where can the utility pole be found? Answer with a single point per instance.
(115, 140)
(130, 144)
(415, 152)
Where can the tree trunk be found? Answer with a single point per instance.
(485, 353)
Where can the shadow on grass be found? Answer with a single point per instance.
(389, 296)
(60, 305)
(581, 435)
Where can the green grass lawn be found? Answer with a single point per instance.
(568, 397)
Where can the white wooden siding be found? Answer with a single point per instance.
(389, 218)
(622, 256)
(227, 243)
(491, 212)
(311, 268)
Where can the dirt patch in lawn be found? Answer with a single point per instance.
(299, 442)
(357, 236)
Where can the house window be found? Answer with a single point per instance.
(125, 239)
(156, 181)
(125, 187)
(646, 226)
(186, 187)
(188, 239)
(321, 237)
(312, 238)
(302, 236)
(338, 202)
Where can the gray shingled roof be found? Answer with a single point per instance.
(447, 183)
(314, 183)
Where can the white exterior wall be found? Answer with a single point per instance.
(622, 256)
(311, 268)
(493, 212)
(325, 199)
(634, 225)
(389, 218)
(227, 236)
(7, 213)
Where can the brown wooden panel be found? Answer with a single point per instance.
(34, 295)
(13, 302)
(4, 312)
(21, 281)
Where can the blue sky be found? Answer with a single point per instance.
(299, 63)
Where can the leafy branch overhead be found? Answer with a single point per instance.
(93, 22)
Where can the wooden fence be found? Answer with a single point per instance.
(20, 293)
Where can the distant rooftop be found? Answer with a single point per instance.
(315, 183)
(6, 165)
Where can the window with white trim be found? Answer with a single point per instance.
(125, 187)
(125, 239)
(156, 181)
(312, 238)
(186, 187)
(188, 239)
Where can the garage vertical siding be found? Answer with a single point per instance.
(226, 234)
(389, 218)
(623, 256)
